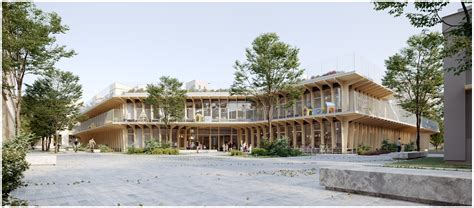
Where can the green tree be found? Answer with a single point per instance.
(271, 69)
(167, 97)
(28, 47)
(54, 104)
(415, 74)
(426, 14)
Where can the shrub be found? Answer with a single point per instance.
(387, 146)
(82, 147)
(150, 145)
(165, 145)
(104, 148)
(278, 147)
(362, 149)
(259, 152)
(13, 165)
(410, 147)
(170, 151)
(236, 153)
(135, 150)
(157, 151)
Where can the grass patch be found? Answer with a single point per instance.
(428, 162)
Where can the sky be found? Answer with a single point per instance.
(136, 43)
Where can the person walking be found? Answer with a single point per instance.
(76, 142)
(399, 145)
(92, 144)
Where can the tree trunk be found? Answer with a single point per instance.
(17, 111)
(418, 132)
(269, 122)
(56, 142)
(42, 144)
(48, 143)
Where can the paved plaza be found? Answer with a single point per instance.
(204, 179)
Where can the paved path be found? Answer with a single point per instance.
(204, 179)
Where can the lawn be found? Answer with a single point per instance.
(428, 162)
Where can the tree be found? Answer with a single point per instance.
(271, 69)
(28, 47)
(53, 103)
(459, 37)
(415, 74)
(167, 97)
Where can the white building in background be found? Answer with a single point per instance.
(197, 85)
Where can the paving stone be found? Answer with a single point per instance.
(204, 179)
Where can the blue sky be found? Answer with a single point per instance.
(136, 43)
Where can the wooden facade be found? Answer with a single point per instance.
(335, 114)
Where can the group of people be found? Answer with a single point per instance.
(245, 148)
(227, 147)
(91, 144)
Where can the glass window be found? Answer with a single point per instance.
(327, 99)
(215, 110)
(250, 114)
(131, 135)
(207, 107)
(223, 104)
(189, 111)
(198, 116)
(233, 105)
(241, 110)
(282, 108)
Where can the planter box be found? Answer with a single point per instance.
(96, 150)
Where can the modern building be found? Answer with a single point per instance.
(8, 112)
(457, 104)
(197, 85)
(336, 114)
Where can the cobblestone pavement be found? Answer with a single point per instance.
(203, 179)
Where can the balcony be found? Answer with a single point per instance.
(114, 115)
(387, 110)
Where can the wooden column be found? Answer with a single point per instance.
(293, 134)
(258, 136)
(311, 125)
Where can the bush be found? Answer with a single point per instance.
(236, 153)
(150, 145)
(170, 151)
(135, 150)
(259, 152)
(409, 147)
(157, 151)
(387, 146)
(362, 149)
(278, 147)
(104, 148)
(82, 147)
(13, 165)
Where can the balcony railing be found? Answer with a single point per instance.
(387, 109)
(358, 102)
(114, 115)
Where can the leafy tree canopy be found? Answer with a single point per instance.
(415, 74)
(167, 97)
(28, 47)
(426, 14)
(271, 68)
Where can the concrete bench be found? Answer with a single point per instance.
(408, 155)
(41, 159)
(425, 186)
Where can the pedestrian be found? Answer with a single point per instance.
(76, 142)
(399, 145)
(92, 144)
